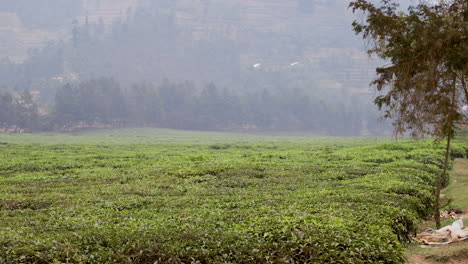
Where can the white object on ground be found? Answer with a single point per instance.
(448, 234)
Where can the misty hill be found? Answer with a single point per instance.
(263, 49)
(233, 35)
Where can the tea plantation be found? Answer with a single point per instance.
(162, 196)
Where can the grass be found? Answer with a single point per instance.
(457, 191)
(146, 196)
(445, 254)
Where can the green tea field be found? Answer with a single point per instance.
(163, 196)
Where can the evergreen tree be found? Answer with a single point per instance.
(423, 86)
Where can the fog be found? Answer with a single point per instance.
(225, 65)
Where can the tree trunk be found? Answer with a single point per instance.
(440, 182)
(450, 126)
(464, 87)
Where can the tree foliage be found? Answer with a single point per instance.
(423, 86)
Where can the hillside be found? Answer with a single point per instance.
(27, 24)
(274, 33)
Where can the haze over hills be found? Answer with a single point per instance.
(272, 48)
(285, 32)
(26, 24)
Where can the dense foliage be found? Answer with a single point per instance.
(173, 197)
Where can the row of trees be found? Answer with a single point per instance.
(105, 103)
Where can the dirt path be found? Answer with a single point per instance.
(456, 253)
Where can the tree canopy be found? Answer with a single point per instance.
(423, 85)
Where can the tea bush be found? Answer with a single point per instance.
(222, 199)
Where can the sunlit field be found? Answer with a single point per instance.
(164, 196)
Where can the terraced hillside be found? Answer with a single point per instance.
(316, 35)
